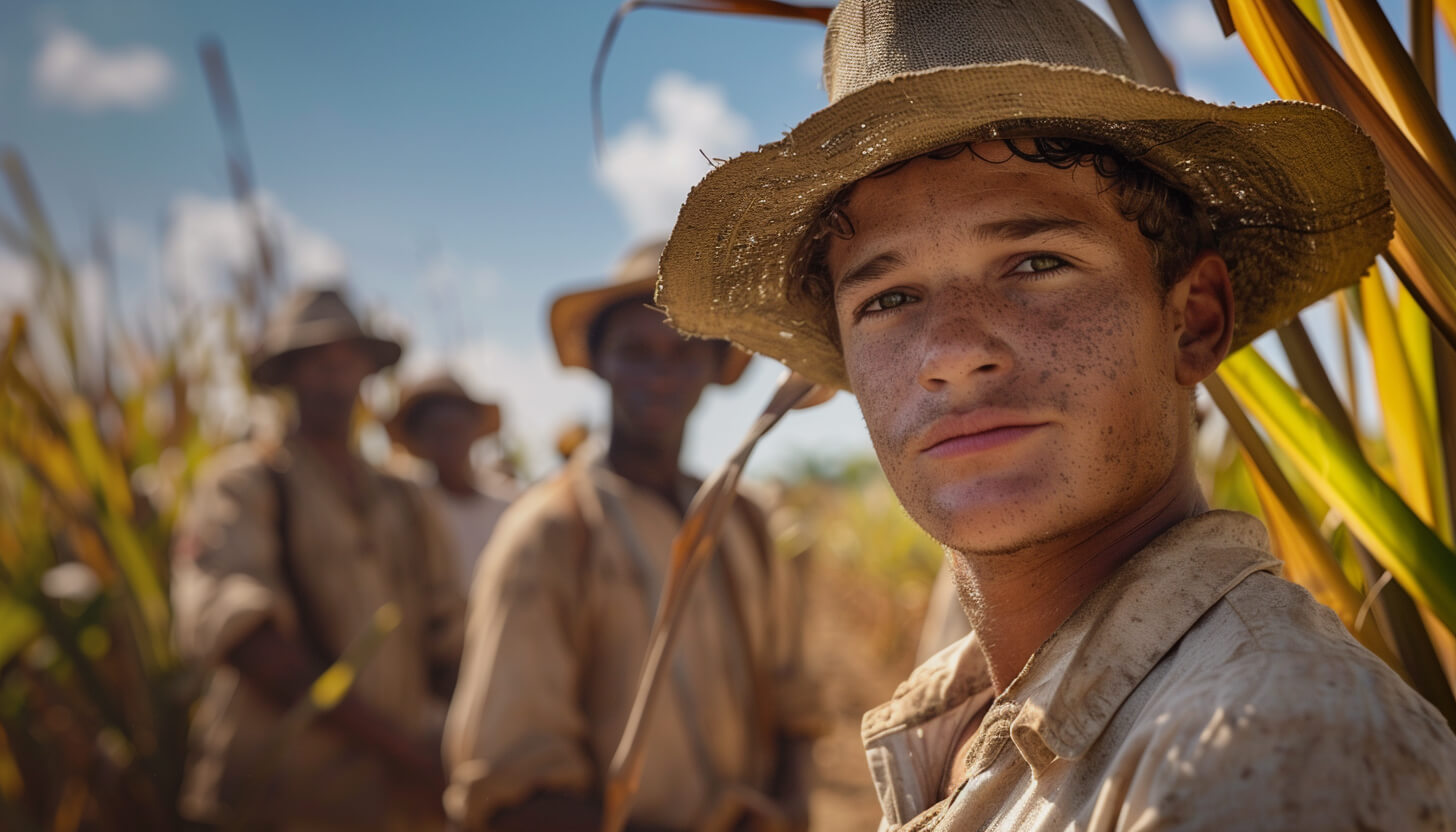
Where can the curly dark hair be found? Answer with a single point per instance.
(1176, 229)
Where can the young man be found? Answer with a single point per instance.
(438, 422)
(283, 556)
(566, 595)
(1022, 262)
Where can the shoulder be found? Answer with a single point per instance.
(1270, 711)
(544, 522)
(239, 472)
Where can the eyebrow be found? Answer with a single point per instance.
(1014, 228)
(1025, 226)
(877, 266)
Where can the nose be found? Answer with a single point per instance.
(959, 347)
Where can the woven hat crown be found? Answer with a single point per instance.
(310, 318)
(872, 40)
(310, 307)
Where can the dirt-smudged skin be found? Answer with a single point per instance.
(1082, 349)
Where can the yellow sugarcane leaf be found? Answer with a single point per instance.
(1310, 562)
(1448, 14)
(1302, 64)
(1270, 50)
(1375, 53)
(1307, 560)
(19, 624)
(1406, 431)
(1415, 338)
(98, 464)
(1375, 513)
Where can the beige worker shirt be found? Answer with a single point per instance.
(559, 619)
(469, 520)
(349, 559)
(1195, 689)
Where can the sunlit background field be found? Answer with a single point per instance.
(443, 163)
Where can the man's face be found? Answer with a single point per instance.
(326, 381)
(1011, 348)
(444, 431)
(656, 374)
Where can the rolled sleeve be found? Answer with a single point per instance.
(516, 726)
(226, 581)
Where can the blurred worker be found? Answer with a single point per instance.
(569, 585)
(439, 422)
(284, 555)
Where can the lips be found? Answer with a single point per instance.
(977, 430)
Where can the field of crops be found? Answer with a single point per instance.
(102, 426)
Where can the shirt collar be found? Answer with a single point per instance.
(1063, 699)
(1073, 686)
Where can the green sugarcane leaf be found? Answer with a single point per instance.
(1374, 512)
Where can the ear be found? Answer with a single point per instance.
(1202, 303)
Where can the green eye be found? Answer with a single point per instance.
(888, 300)
(1038, 263)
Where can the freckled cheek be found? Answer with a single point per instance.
(882, 376)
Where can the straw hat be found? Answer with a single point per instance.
(572, 314)
(313, 318)
(1295, 192)
(439, 387)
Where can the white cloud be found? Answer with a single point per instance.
(209, 241)
(1191, 32)
(72, 72)
(649, 167)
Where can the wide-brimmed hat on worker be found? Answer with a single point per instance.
(573, 314)
(312, 318)
(1295, 193)
(435, 389)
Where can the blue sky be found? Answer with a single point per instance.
(441, 155)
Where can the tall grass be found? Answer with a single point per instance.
(96, 441)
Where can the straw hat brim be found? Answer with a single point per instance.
(1295, 192)
(489, 416)
(572, 316)
(268, 364)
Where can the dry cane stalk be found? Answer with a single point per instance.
(691, 550)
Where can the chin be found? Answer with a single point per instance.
(1001, 515)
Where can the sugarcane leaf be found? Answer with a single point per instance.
(1447, 9)
(1300, 63)
(1375, 513)
(1375, 53)
(1308, 558)
(1407, 432)
(95, 463)
(19, 624)
(1151, 60)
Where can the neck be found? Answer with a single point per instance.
(649, 464)
(456, 480)
(329, 441)
(1017, 600)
